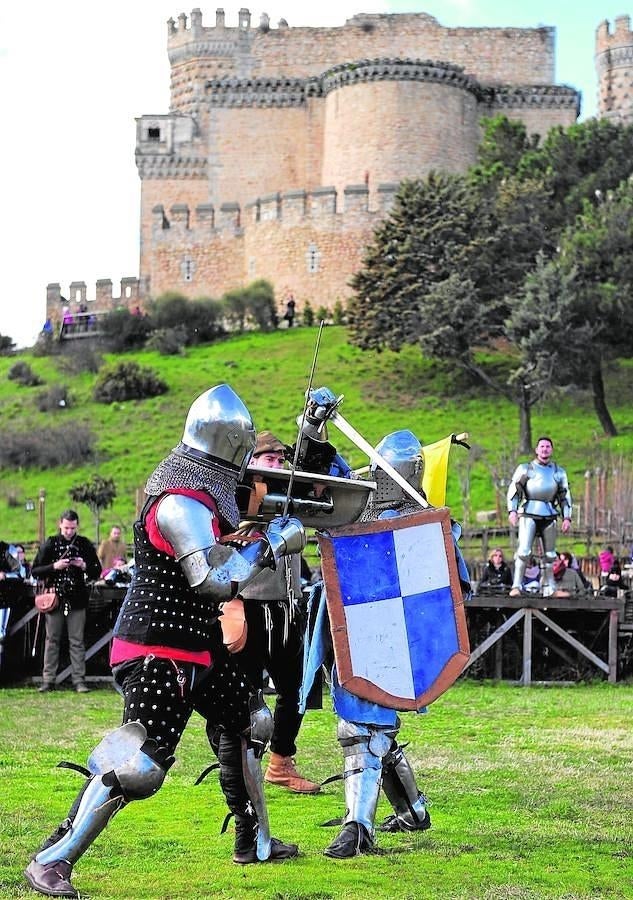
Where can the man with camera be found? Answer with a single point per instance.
(67, 561)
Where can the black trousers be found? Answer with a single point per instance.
(265, 649)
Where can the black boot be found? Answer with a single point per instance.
(352, 840)
(229, 753)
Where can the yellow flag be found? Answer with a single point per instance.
(436, 470)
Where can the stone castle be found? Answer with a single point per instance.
(283, 147)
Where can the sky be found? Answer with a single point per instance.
(74, 76)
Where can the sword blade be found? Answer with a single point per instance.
(349, 431)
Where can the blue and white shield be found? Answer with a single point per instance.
(396, 608)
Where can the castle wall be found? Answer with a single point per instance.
(614, 66)
(259, 150)
(165, 192)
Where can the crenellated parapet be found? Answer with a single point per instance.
(540, 96)
(75, 300)
(614, 67)
(316, 207)
(365, 71)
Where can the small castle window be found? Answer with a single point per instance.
(187, 268)
(251, 267)
(128, 292)
(153, 134)
(313, 257)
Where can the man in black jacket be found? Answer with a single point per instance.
(67, 561)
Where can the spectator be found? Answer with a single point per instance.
(532, 577)
(289, 315)
(568, 581)
(119, 575)
(66, 560)
(606, 560)
(497, 574)
(9, 572)
(111, 549)
(571, 561)
(613, 581)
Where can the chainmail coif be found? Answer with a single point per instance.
(176, 472)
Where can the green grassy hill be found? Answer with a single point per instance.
(382, 392)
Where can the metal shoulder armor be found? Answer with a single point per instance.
(516, 489)
(211, 568)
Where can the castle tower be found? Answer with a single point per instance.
(283, 146)
(614, 67)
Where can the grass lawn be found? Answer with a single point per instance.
(531, 791)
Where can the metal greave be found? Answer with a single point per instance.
(99, 802)
(398, 782)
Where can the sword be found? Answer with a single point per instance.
(303, 420)
(349, 431)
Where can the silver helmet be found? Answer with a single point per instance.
(403, 451)
(218, 429)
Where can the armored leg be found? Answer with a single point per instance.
(409, 803)
(548, 536)
(243, 786)
(527, 534)
(363, 749)
(125, 766)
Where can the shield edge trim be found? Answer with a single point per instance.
(356, 684)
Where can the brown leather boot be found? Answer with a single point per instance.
(53, 879)
(281, 770)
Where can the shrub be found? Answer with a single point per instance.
(54, 399)
(338, 314)
(322, 314)
(80, 357)
(70, 444)
(127, 381)
(168, 341)
(201, 319)
(6, 345)
(122, 330)
(23, 374)
(308, 315)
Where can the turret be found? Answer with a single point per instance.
(614, 67)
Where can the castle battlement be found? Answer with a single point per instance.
(317, 208)
(614, 65)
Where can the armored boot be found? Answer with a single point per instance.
(519, 570)
(242, 783)
(409, 803)
(282, 771)
(363, 749)
(122, 767)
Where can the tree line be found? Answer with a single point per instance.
(529, 250)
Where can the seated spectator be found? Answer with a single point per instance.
(568, 581)
(572, 563)
(497, 574)
(532, 577)
(119, 573)
(9, 573)
(606, 560)
(613, 581)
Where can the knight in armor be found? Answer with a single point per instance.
(538, 491)
(367, 732)
(167, 653)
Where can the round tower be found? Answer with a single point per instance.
(390, 119)
(614, 67)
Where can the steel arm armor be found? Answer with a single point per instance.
(215, 569)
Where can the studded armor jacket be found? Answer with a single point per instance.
(160, 606)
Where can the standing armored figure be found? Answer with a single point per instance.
(167, 654)
(367, 731)
(537, 491)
